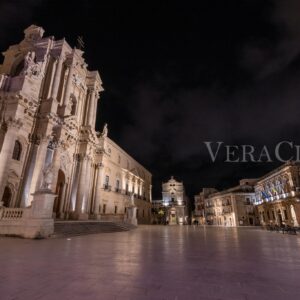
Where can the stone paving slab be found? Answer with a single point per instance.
(154, 262)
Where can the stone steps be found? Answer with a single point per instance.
(76, 228)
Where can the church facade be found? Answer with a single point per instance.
(172, 209)
(48, 104)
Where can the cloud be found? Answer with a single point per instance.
(268, 55)
(16, 14)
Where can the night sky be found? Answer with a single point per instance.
(177, 73)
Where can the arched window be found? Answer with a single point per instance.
(17, 151)
(6, 197)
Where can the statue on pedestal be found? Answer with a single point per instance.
(132, 199)
(47, 177)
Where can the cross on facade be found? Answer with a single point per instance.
(80, 42)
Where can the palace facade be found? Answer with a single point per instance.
(273, 199)
(277, 196)
(48, 104)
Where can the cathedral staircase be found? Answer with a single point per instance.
(77, 228)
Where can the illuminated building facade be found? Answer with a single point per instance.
(231, 207)
(48, 104)
(175, 202)
(277, 196)
(199, 200)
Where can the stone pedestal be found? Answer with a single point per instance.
(130, 216)
(39, 222)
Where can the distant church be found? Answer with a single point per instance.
(172, 209)
(48, 104)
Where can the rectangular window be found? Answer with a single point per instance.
(285, 214)
(117, 185)
(116, 209)
(268, 214)
(106, 180)
(104, 208)
(143, 213)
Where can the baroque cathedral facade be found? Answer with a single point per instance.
(48, 104)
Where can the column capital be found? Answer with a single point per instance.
(81, 157)
(100, 165)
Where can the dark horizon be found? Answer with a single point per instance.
(176, 75)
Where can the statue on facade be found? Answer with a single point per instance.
(30, 67)
(132, 199)
(104, 131)
(28, 62)
(47, 177)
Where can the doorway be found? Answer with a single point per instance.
(7, 196)
(60, 192)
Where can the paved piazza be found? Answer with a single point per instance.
(154, 262)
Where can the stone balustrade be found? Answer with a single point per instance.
(11, 213)
(31, 222)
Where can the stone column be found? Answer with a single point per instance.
(91, 112)
(92, 108)
(57, 78)
(74, 182)
(81, 196)
(56, 164)
(13, 127)
(86, 109)
(24, 202)
(54, 65)
(97, 197)
(89, 188)
(38, 167)
(68, 86)
(92, 188)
